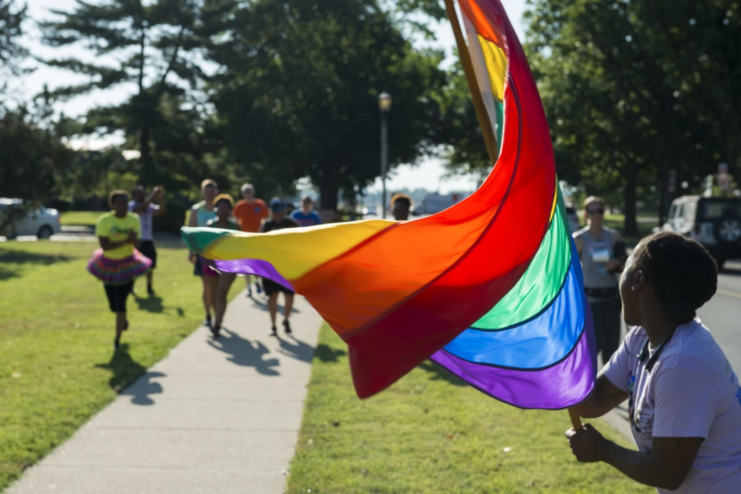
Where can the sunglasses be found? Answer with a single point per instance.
(595, 211)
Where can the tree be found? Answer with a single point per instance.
(11, 20)
(297, 91)
(148, 44)
(614, 119)
(33, 157)
(698, 44)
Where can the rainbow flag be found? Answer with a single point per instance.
(491, 288)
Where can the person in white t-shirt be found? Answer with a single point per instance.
(148, 207)
(683, 397)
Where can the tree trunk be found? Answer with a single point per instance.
(630, 227)
(328, 188)
(147, 171)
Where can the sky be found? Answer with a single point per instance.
(428, 174)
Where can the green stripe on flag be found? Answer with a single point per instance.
(542, 280)
(197, 239)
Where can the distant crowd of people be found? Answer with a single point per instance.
(127, 249)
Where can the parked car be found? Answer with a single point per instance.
(42, 222)
(573, 218)
(715, 222)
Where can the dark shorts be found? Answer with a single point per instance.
(117, 295)
(607, 316)
(198, 267)
(272, 287)
(146, 247)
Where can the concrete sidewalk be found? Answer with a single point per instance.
(212, 417)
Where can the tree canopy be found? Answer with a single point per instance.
(297, 93)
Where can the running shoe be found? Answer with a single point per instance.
(150, 290)
(257, 287)
(274, 332)
(116, 345)
(207, 321)
(216, 331)
(249, 292)
(287, 325)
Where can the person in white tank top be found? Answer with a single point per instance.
(684, 398)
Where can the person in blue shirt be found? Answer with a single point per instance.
(306, 216)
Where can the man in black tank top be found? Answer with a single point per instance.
(278, 221)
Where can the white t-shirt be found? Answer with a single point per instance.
(146, 220)
(691, 391)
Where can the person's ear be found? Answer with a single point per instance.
(639, 281)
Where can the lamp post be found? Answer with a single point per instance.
(384, 104)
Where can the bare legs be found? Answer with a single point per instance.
(223, 285)
(209, 292)
(273, 309)
(120, 327)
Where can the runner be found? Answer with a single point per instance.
(117, 262)
(602, 254)
(219, 283)
(142, 205)
(249, 213)
(306, 216)
(200, 214)
(401, 205)
(278, 221)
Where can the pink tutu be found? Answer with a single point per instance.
(118, 271)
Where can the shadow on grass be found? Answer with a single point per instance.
(246, 353)
(152, 303)
(9, 258)
(326, 353)
(125, 369)
(437, 373)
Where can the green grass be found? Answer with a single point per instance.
(432, 433)
(80, 218)
(56, 336)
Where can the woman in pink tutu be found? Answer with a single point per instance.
(117, 262)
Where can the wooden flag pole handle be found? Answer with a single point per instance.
(478, 101)
(575, 419)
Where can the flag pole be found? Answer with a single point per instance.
(473, 85)
(575, 419)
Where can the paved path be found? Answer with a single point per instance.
(212, 417)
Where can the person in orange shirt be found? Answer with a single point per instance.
(249, 213)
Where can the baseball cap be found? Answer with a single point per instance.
(276, 204)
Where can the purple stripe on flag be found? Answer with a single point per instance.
(253, 266)
(563, 385)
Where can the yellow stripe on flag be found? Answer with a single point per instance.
(496, 66)
(318, 245)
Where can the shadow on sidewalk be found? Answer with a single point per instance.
(144, 387)
(245, 353)
(295, 348)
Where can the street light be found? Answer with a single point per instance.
(384, 104)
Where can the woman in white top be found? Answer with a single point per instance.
(683, 397)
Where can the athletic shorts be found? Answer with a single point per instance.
(272, 287)
(146, 247)
(117, 295)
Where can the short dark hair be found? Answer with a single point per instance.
(402, 198)
(684, 274)
(115, 195)
(224, 197)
